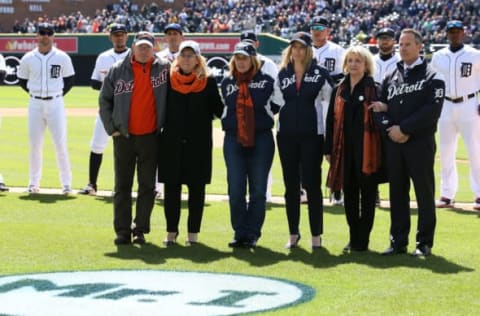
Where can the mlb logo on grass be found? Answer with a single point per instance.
(146, 293)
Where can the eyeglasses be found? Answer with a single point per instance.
(187, 56)
(318, 28)
(45, 32)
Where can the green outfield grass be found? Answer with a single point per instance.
(43, 233)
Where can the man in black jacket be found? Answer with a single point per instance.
(412, 99)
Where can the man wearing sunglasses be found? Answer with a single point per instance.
(460, 65)
(328, 55)
(46, 73)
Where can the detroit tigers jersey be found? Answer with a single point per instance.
(104, 61)
(460, 69)
(330, 56)
(268, 66)
(45, 73)
(384, 66)
(167, 54)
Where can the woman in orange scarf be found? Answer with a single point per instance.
(352, 145)
(185, 152)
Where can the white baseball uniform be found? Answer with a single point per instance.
(167, 54)
(268, 66)
(103, 63)
(461, 71)
(329, 56)
(382, 67)
(44, 75)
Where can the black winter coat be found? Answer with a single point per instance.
(185, 148)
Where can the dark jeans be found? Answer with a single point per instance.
(138, 152)
(412, 160)
(248, 165)
(196, 200)
(302, 156)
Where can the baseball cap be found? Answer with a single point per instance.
(190, 44)
(386, 31)
(174, 27)
(144, 38)
(248, 36)
(244, 48)
(454, 24)
(320, 20)
(46, 27)
(117, 27)
(302, 37)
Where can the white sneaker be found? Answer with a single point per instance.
(32, 189)
(67, 190)
(336, 200)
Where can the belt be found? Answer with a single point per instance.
(462, 99)
(44, 98)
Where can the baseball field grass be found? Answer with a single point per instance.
(50, 233)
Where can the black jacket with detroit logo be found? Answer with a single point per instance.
(414, 101)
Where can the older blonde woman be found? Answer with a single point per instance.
(353, 145)
(185, 153)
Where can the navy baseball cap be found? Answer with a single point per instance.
(144, 38)
(248, 36)
(303, 38)
(386, 31)
(46, 27)
(117, 27)
(320, 20)
(454, 24)
(244, 48)
(174, 27)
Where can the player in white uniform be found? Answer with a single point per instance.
(385, 62)
(119, 38)
(47, 74)
(269, 67)
(328, 55)
(460, 65)
(3, 72)
(173, 37)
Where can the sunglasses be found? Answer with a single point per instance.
(318, 28)
(45, 32)
(457, 24)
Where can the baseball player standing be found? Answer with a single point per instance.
(47, 74)
(119, 38)
(173, 36)
(460, 65)
(328, 55)
(3, 72)
(386, 60)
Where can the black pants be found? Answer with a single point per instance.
(412, 160)
(196, 201)
(359, 202)
(138, 152)
(302, 156)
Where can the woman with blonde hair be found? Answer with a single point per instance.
(185, 150)
(248, 147)
(353, 145)
(305, 87)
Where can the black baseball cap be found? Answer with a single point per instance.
(454, 24)
(386, 31)
(117, 27)
(248, 36)
(144, 38)
(320, 20)
(46, 27)
(174, 27)
(303, 38)
(244, 48)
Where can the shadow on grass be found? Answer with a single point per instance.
(153, 254)
(258, 256)
(47, 198)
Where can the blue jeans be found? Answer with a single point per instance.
(248, 165)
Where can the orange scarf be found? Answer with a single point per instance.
(186, 83)
(245, 111)
(371, 159)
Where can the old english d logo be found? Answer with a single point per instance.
(151, 292)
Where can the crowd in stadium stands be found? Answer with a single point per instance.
(352, 20)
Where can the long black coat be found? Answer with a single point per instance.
(185, 144)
